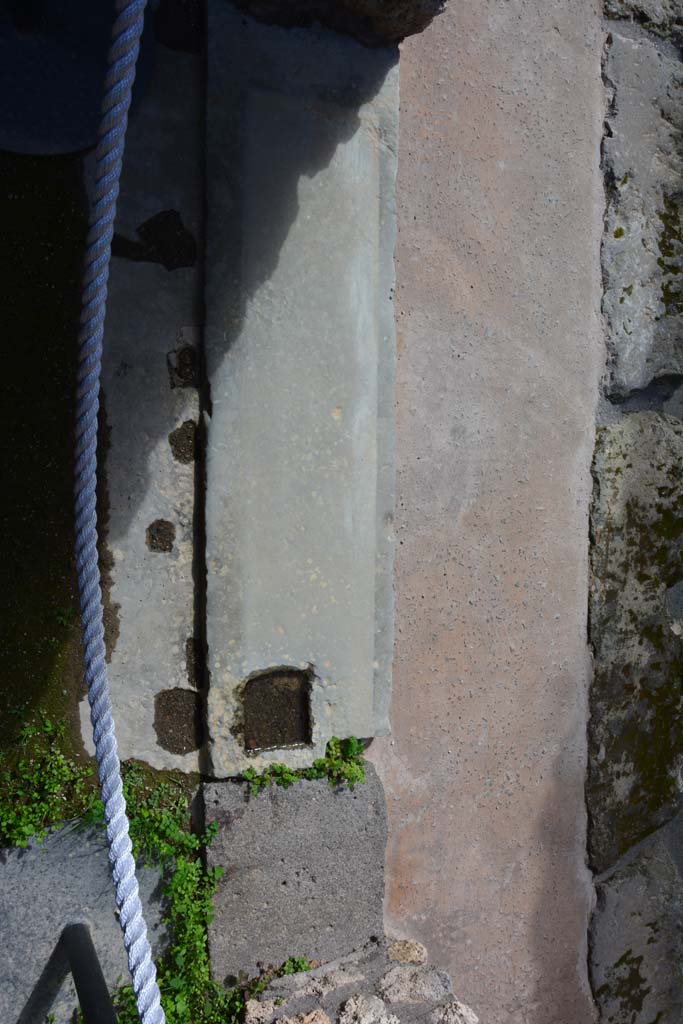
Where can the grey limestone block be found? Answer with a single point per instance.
(301, 162)
(303, 872)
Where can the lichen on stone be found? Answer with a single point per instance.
(670, 260)
(636, 725)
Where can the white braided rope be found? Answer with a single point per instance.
(122, 59)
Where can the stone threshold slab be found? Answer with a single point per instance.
(301, 161)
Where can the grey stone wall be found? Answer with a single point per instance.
(636, 604)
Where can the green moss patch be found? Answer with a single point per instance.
(40, 785)
(670, 258)
(636, 723)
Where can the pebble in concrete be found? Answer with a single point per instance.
(63, 880)
(406, 951)
(304, 872)
(301, 131)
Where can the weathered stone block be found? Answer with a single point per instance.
(304, 872)
(300, 352)
(636, 724)
(637, 934)
(63, 880)
(642, 252)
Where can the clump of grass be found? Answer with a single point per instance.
(342, 765)
(40, 786)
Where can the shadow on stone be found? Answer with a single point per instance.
(45, 991)
(289, 160)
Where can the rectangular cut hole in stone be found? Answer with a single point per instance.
(277, 709)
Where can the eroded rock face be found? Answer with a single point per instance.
(662, 16)
(374, 22)
(637, 934)
(634, 786)
(642, 251)
(636, 726)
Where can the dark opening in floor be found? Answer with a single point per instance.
(178, 720)
(277, 709)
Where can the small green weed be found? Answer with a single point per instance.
(64, 616)
(40, 786)
(294, 965)
(342, 764)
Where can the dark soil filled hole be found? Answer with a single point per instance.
(178, 720)
(182, 367)
(160, 535)
(183, 442)
(277, 709)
